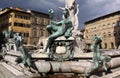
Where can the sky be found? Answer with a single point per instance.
(89, 9)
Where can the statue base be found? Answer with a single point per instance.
(62, 49)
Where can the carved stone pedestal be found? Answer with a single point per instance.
(62, 49)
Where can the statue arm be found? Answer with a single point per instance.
(57, 23)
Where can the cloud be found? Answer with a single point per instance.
(89, 9)
(46, 4)
(101, 7)
(41, 3)
(61, 1)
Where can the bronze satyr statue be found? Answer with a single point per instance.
(98, 58)
(19, 43)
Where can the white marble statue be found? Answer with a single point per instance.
(73, 10)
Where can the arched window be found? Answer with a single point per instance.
(109, 33)
(113, 24)
(112, 45)
(108, 24)
(105, 45)
(104, 34)
(104, 26)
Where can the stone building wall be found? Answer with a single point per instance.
(108, 26)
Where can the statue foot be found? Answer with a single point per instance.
(33, 70)
(44, 51)
(105, 68)
(95, 67)
(87, 72)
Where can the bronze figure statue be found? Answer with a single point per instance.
(57, 29)
(98, 58)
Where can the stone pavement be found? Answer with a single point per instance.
(7, 71)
